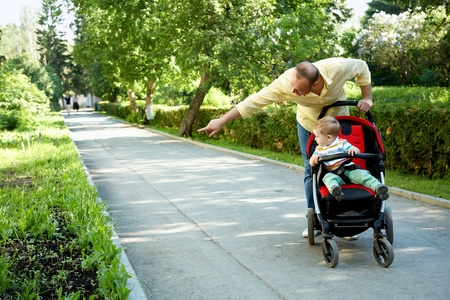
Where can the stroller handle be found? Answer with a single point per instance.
(345, 103)
(366, 156)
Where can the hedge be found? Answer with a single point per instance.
(415, 135)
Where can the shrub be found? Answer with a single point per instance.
(9, 120)
(416, 137)
(216, 98)
(20, 100)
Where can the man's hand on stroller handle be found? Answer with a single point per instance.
(364, 105)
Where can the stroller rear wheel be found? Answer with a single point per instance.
(383, 252)
(330, 253)
(311, 226)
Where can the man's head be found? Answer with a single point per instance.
(304, 78)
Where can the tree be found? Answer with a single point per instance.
(20, 38)
(235, 45)
(20, 100)
(395, 7)
(245, 44)
(404, 43)
(43, 76)
(51, 46)
(127, 38)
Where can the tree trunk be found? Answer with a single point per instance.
(149, 98)
(194, 107)
(133, 106)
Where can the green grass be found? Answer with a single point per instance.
(392, 94)
(415, 183)
(54, 237)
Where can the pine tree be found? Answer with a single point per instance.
(52, 48)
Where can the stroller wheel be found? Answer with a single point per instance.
(330, 253)
(383, 252)
(388, 224)
(311, 226)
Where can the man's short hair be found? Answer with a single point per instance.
(308, 70)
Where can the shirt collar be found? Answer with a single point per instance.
(327, 81)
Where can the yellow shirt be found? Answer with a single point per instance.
(335, 72)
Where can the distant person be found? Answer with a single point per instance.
(76, 107)
(326, 132)
(67, 98)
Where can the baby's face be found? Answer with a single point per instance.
(323, 140)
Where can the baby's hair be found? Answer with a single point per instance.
(328, 126)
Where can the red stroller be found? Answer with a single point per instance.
(361, 208)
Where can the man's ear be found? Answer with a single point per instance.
(315, 84)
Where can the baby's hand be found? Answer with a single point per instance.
(314, 160)
(353, 150)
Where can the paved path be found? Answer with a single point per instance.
(203, 224)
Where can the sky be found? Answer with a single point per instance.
(359, 6)
(10, 11)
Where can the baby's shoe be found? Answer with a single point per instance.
(382, 191)
(336, 192)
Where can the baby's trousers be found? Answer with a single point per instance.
(357, 176)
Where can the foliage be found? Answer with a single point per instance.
(137, 42)
(16, 39)
(54, 235)
(20, 100)
(416, 137)
(43, 76)
(123, 42)
(396, 7)
(216, 98)
(51, 46)
(407, 45)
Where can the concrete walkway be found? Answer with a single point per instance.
(196, 223)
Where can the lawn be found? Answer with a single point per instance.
(55, 238)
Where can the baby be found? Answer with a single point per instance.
(326, 131)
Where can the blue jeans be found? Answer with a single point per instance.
(303, 137)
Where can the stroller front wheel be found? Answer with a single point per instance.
(330, 253)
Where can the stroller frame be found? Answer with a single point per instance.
(351, 222)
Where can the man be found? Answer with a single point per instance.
(312, 86)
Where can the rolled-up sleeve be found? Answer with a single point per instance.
(266, 96)
(359, 70)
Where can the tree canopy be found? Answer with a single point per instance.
(409, 44)
(140, 48)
